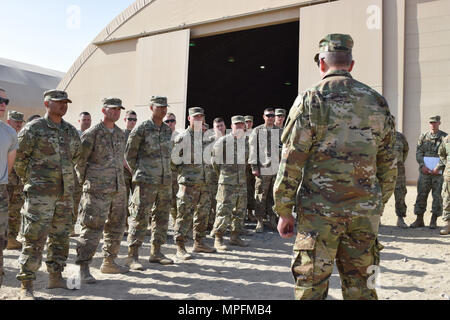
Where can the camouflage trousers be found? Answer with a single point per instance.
(15, 204)
(173, 203)
(351, 241)
(145, 196)
(446, 200)
(424, 185)
(194, 204)
(231, 208)
(44, 216)
(400, 193)
(101, 213)
(3, 223)
(264, 196)
(250, 189)
(128, 186)
(77, 192)
(212, 190)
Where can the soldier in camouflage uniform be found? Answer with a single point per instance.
(444, 164)
(103, 203)
(15, 190)
(230, 161)
(148, 154)
(130, 123)
(193, 198)
(428, 146)
(251, 206)
(211, 178)
(264, 159)
(49, 148)
(8, 148)
(171, 120)
(401, 150)
(280, 117)
(342, 134)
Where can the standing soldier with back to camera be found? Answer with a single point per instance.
(15, 190)
(401, 150)
(103, 203)
(148, 154)
(49, 148)
(444, 164)
(429, 180)
(342, 134)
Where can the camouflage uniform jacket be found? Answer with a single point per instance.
(342, 134)
(211, 175)
(401, 148)
(428, 146)
(100, 168)
(14, 180)
(444, 155)
(46, 157)
(231, 171)
(192, 169)
(148, 153)
(258, 133)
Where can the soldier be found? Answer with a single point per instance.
(85, 121)
(130, 123)
(193, 198)
(148, 154)
(263, 140)
(103, 203)
(444, 163)
(49, 148)
(342, 134)
(401, 150)
(171, 120)
(15, 190)
(232, 192)
(427, 148)
(250, 177)
(280, 117)
(8, 149)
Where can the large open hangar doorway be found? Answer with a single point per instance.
(244, 72)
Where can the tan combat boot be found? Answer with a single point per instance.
(56, 281)
(401, 223)
(133, 259)
(200, 246)
(260, 225)
(110, 267)
(236, 241)
(446, 229)
(219, 244)
(85, 274)
(26, 290)
(182, 254)
(157, 257)
(13, 244)
(419, 222)
(433, 221)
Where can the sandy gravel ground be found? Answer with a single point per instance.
(415, 265)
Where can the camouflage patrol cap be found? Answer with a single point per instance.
(15, 115)
(335, 42)
(56, 95)
(237, 119)
(435, 119)
(158, 101)
(196, 111)
(112, 103)
(280, 112)
(249, 118)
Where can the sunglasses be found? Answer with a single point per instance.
(271, 115)
(131, 119)
(170, 121)
(4, 101)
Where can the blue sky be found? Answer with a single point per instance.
(53, 33)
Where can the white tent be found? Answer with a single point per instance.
(25, 85)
